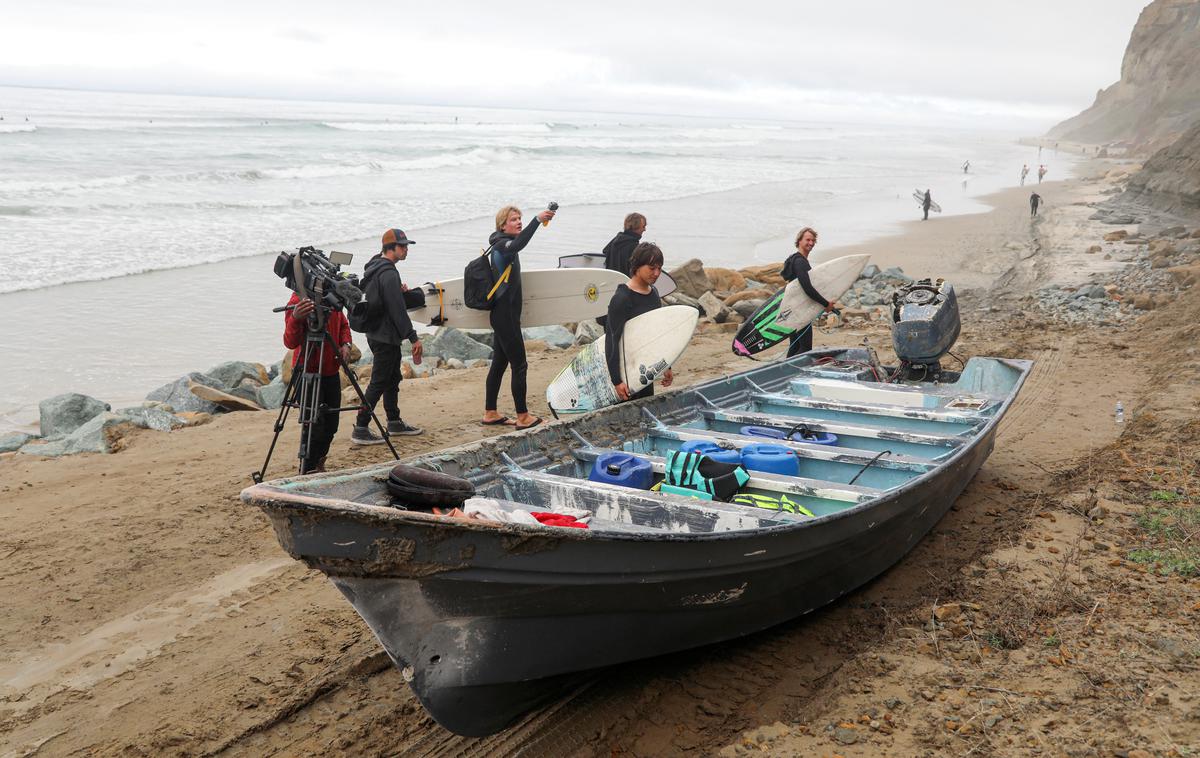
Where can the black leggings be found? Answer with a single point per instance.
(801, 341)
(508, 350)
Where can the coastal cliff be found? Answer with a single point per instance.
(1158, 95)
(1169, 182)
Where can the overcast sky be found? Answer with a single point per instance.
(1017, 61)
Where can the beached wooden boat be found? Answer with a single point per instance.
(489, 620)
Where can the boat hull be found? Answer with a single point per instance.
(487, 621)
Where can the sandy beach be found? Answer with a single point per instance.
(149, 612)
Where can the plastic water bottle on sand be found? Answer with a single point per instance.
(1120, 413)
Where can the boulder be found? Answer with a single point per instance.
(11, 441)
(482, 336)
(1094, 249)
(223, 399)
(678, 298)
(1177, 232)
(746, 308)
(410, 370)
(691, 279)
(726, 279)
(869, 297)
(356, 354)
(587, 332)
(1116, 236)
(1094, 291)
(769, 274)
(231, 373)
(448, 342)
(555, 335)
(1143, 302)
(869, 271)
(152, 418)
(179, 396)
(894, 275)
(714, 308)
(101, 434)
(754, 294)
(63, 414)
(1186, 275)
(366, 357)
(285, 366)
(455, 363)
(479, 362)
(271, 395)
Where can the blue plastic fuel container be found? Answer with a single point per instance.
(624, 469)
(773, 459)
(712, 450)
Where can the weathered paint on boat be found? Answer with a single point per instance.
(490, 620)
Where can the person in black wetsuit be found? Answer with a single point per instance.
(926, 204)
(509, 349)
(632, 299)
(1034, 201)
(797, 267)
(620, 247)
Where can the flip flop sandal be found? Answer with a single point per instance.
(530, 426)
(502, 421)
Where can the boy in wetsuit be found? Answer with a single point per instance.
(632, 299)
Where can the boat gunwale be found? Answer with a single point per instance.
(274, 498)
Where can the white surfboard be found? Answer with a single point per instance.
(651, 343)
(919, 196)
(831, 279)
(551, 296)
(665, 284)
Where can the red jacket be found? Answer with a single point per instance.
(295, 329)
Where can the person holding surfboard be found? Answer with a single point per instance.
(508, 351)
(632, 299)
(926, 204)
(797, 267)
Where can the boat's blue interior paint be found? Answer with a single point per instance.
(920, 424)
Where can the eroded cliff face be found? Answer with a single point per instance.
(1158, 96)
(1169, 182)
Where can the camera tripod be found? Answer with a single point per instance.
(304, 390)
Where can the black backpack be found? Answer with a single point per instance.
(480, 282)
(369, 317)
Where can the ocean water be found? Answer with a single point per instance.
(103, 188)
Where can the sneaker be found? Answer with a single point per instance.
(362, 435)
(399, 427)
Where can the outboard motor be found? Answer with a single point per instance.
(925, 326)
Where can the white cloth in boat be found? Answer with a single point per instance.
(490, 510)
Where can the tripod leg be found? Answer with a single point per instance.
(289, 398)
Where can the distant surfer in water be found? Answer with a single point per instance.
(797, 267)
(505, 316)
(966, 166)
(925, 205)
(632, 299)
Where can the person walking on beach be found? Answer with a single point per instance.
(632, 299)
(329, 392)
(620, 248)
(925, 206)
(506, 244)
(966, 166)
(1024, 173)
(386, 340)
(797, 267)
(1041, 172)
(1034, 201)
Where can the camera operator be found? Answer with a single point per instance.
(330, 394)
(386, 340)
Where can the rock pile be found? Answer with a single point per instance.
(1168, 263)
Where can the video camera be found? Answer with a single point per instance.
(310, 273)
